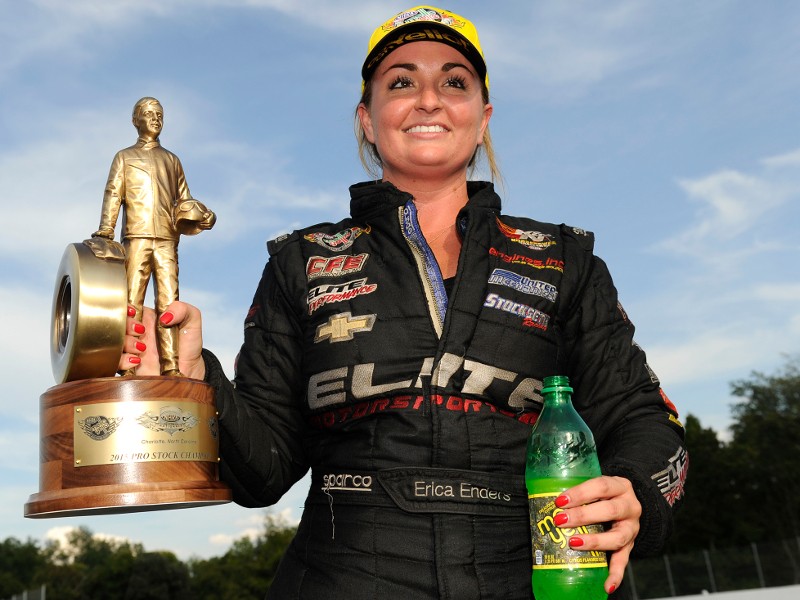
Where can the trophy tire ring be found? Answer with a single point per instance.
(89, 315)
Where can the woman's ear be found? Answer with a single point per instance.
(487, 114)
(366, 122)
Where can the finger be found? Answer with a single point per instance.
(181, 314)
(128, 361)
(189, 320)
(133, 345)
(591, 490)
(139, 349)
(616, 569)
(621, 535)
(615, 510)
(134, 328)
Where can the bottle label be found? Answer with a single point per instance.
(550, 547)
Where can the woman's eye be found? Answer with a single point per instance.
(456, 81)
(400, 82)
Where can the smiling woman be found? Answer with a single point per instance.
(399, 356)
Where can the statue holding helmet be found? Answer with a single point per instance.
(147, 183)
(106, 465)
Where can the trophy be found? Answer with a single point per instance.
(118, 442)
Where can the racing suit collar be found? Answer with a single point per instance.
(371, 198)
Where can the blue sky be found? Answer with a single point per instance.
(670, 129)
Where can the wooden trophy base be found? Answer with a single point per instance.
(127, 444)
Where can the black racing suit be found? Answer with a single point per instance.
(413, 409)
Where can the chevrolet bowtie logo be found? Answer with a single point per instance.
(341, 327)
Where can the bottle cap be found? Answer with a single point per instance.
(556, 383)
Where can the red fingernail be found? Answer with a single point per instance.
(166, 318)
(138, 328)
(135, 360)
(612, 589)
(575, 542)
(562, 501)
(561, 519)
(131, 311)
(140, 346)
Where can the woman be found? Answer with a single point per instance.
(399, 355)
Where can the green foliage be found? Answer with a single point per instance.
(247, 569)
(88, 567)
(19, 565)
(738, 492)
(766, 442)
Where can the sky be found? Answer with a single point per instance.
(669, 129)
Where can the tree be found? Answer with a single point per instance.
(158, 575)
(766, 448)
(247, 569)
(88, 567)
(742, 491)
(710, 476)
(20, 563)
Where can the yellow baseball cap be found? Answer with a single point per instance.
(425, 24)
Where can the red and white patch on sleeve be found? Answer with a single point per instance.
(671, 480)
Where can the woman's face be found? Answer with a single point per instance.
(427, 115)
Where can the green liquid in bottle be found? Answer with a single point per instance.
(561, 453)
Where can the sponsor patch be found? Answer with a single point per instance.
(523, 284)
(522, 394)
(671, 480)
(320, 266)
(534, 263)
(422, 14)
(532, 239)
(346, 482)
(667, 401)
(341, 327)
(338, 292)
(532, 317)
(366, 408)
(337, 242)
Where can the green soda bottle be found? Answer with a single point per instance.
(561, 453)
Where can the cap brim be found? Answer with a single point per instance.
(422, 31)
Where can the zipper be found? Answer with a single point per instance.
(427, 267)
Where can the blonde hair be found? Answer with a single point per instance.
(371, 160)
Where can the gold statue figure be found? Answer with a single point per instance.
(147, 182)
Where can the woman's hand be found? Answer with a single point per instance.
(140, 350)
(603, 500)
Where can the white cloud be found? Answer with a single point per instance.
(789, 159)
(716, 352)
(78, 27)
(562, 50)
(252, 526)
(778, 292)
(734, 211)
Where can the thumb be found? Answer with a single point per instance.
(181, 314)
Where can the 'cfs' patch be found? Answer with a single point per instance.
(336, 242)
(535, 240)
(319, 266)
(523, 284)
(338, 292)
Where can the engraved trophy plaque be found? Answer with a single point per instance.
(116, 443)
